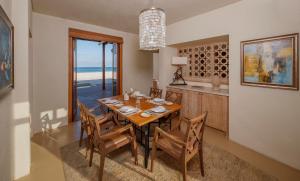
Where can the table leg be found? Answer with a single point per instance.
(147, 150)
(141, 136)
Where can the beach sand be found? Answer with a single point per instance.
(81, 76)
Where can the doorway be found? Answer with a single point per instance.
(95, 64)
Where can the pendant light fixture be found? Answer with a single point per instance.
(152, 28)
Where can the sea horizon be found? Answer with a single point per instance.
(94, 69)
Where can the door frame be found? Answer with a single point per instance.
(93, 36)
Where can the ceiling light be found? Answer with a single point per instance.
(152, 29)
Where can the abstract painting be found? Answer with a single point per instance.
(6, 54)
(270, 62)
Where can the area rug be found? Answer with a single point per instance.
(219, 165)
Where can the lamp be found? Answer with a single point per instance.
(178, 78)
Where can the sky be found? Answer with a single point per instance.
(89, 54)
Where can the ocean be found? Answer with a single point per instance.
(95, 69)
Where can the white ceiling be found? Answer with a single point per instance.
(123, 14)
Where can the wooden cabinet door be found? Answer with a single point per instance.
(185, 101)
(217, 108)
(194, 104)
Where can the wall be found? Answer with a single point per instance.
(14, 107)
(50, 55)
(165, 69)
(155, 66)
(30, 63)
(265, 120)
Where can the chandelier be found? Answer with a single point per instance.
(152, 29)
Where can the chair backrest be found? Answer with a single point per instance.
(194, 133)
(83, 116)
(155, 83)
(155, 92)
(175, 97)
(99, 125)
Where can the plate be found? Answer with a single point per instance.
(158, 100)
(119, 105)
(113, 101)
(105, 99)
(127, 109)
(145, 115)
(169, 103)
(159, 109)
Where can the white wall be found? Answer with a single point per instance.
(14, 107)
(50, 42)
(165, 69)
(155, 66)
(266, 120)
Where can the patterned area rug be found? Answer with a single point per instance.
(219, 166)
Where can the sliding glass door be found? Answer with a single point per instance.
(111, 67)
(95, 64)
(95, 71)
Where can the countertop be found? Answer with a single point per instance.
(208, 90)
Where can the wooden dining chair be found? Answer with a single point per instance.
(175, 97)
(84, 124)
(182, 143)
(108, 141)
(155, 92)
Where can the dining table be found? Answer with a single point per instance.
(137, 119)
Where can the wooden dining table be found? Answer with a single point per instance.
(139, 122)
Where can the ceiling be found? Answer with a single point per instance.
(123, 14)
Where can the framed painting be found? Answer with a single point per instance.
(6, 53)
(271, 62)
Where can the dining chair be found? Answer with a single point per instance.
(175, 97)
(155, 92)
(108, 141)
(84, 127)
(182, 143)
(85, 116)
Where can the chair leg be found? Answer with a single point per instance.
(132, 148)
(135, 152)
(201, 161)
(184, 171)
(102, 159)
(87, 147)
(91, 154)
(153, 156)
(81, 136)
(141, 136)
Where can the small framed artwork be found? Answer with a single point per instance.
(271, 62)
(6, 53)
